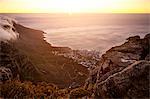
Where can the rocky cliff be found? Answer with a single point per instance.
(123, 71)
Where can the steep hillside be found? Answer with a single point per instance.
(53, 68)
(32, 68)
(124, 74)
(19, 64)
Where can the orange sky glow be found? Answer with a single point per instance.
(74, 6)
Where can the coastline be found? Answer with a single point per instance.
(51, 66)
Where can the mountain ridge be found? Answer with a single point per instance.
(30, 69)
(50, 67)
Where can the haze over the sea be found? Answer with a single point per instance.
(86, 31)
(82, 24)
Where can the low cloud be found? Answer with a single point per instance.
(7, 30)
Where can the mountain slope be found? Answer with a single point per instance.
(55, 69)
(18, 63)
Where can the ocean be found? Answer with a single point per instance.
(97, 32)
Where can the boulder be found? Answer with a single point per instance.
(5, 74)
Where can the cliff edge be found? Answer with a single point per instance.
(123, 71)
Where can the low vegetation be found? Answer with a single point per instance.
(27, 89)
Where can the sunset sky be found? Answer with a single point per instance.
(74, 6)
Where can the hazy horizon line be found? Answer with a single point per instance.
(74, 13)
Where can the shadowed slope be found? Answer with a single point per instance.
(55, 69)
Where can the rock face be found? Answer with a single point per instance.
(131, 82)
(5, 74)
(123, 71)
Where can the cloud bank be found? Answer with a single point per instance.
(7, 30)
